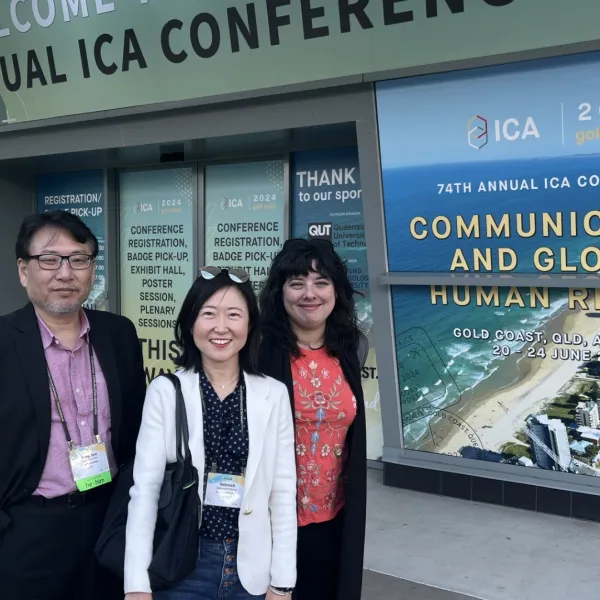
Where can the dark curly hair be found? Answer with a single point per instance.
(301, 257)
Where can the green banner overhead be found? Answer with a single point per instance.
(69, 57)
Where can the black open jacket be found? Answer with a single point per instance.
(276, 363)
(25, 401)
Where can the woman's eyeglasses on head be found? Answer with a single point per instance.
(236, 275)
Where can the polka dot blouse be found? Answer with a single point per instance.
(226, 448)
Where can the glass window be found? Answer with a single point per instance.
(245, 216)
(157, 264)
(504, 185)
(327, 203)
(503, 374)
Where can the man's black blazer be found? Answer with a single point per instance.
(25, 402)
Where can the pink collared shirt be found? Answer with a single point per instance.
(73, 380)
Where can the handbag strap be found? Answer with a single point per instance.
(181, 422)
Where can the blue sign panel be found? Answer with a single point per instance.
(493, 170)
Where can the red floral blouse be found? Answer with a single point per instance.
(325, 407)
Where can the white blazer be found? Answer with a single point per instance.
(268, 518)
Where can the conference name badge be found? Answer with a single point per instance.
(89, 465)
(224, 490)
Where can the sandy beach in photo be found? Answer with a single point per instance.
(539, 382)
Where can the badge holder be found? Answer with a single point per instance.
(89, 465)
(224, 489)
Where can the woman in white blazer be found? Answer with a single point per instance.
(240, 430)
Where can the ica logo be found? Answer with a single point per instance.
(142, 207)
(480, 131)
(320, 231)
(231, 203)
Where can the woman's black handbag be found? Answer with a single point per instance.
(176, 536)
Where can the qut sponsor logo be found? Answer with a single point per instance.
(322, 231)
(481, 131)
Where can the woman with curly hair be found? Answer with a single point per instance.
(310, 343)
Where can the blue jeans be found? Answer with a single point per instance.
(215, 577)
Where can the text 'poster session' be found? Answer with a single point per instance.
(157, 245)
(244, 216)
(327, 203)
(500, 184)
(81, 193)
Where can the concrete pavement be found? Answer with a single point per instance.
(377, 586)
(472, 550)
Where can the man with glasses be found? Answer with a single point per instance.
(72, 388)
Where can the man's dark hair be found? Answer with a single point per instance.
(301, 257)
(201, 290)
(55, 219)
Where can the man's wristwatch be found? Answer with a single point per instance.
(281, 591)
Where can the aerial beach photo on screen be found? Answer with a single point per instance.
(524, 393)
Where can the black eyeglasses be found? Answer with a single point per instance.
(236, 275)
(53, 262)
